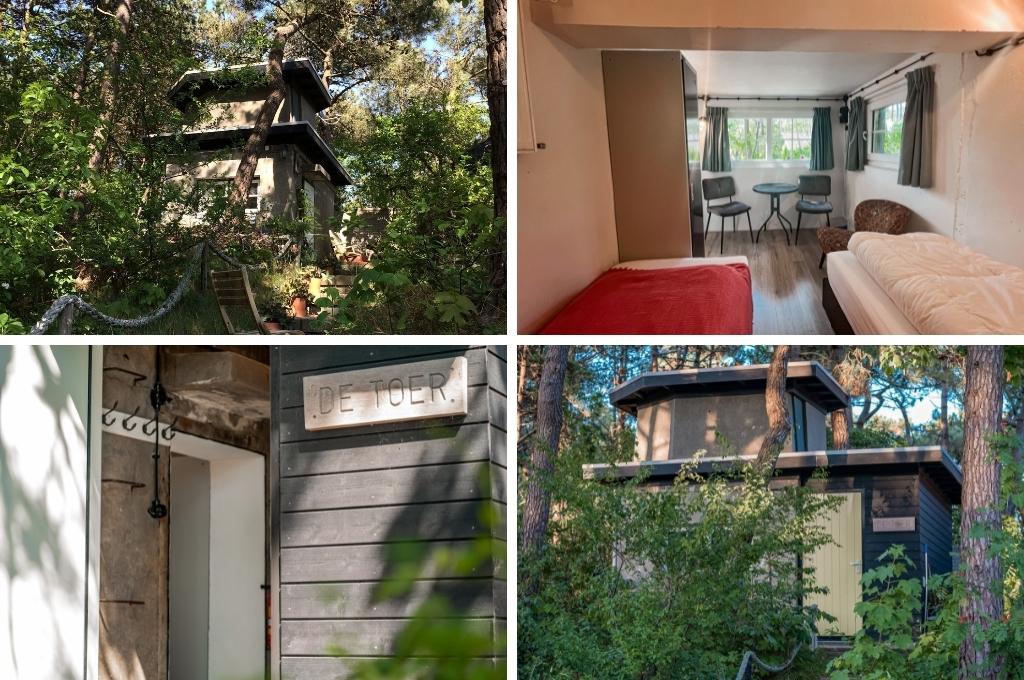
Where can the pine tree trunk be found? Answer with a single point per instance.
(86, 61)
(840, 429)
(543, 448)
(264, 120)
(983, 574)
(495, 21)
(840, 419)
(110, 84)
(777, 408)
(944, 417)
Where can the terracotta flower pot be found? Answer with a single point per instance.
(299, 307)
(272, 325)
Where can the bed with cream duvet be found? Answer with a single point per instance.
(921, 284)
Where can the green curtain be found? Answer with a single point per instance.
(716, 141)
(857, 135)
(918, 128)
(822, 156)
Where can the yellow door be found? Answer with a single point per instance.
(838, 567)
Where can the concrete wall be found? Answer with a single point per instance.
(353, 506)
(566, 212)
(979, 157)
(227, 109)
(747, 175)
(218, 397)
(280, 172)
(49, 504)
(723, 425)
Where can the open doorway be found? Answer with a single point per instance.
(216, 572)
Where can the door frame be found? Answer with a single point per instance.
(182, 443)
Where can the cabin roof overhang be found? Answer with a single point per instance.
(932, 460)
(807, 379)
(299, 73)
(300, 133)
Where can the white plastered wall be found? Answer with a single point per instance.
(49, 512)
(979, 157)
(566, 213)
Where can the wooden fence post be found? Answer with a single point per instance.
(67, 320)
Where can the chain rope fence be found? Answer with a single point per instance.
(63, 308)
(752, 660)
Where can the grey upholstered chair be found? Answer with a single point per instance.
(818, 186)
(725, 187)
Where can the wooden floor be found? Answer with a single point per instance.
(786, 279)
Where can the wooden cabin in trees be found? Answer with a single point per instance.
(896, 495)
(296, 169)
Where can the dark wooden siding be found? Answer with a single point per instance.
(344, 500)
(936, 527)
(889, 495)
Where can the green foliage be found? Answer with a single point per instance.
(673, 583)
(872, 437)
(423, 167)
(894, 644)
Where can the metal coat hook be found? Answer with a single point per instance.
(125, 421)
(170, 428)
(107, 413)
(147, 430)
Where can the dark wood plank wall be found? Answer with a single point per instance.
(889, 495)
(343, 500)
(936, 527)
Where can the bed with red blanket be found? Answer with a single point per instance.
(691, 296)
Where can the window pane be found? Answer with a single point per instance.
(791, 139)
(748, 139)
(253, 200)
(887, 129)
(692, 139)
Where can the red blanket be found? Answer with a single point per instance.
(701, 300)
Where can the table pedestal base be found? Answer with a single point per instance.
(776, 211)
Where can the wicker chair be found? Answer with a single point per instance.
(876, 215)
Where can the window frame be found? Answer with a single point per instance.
(881, 100)
(770, 117)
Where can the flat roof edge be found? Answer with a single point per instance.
(790, 460)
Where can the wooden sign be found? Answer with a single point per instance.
(388, 394)
(890, 524)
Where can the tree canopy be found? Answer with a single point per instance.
(84, 192)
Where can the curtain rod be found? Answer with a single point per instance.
(1009, 42)
(896, 72)
(774, 99)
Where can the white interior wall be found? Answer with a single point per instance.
(46, 556)
(747, 175)
(237, 558)
(566, 212)
(979, 155)
(189, 586)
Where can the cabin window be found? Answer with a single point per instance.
(252, 202)
(799, 424)
(887, 130)
(748, 139)
(770, 139)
